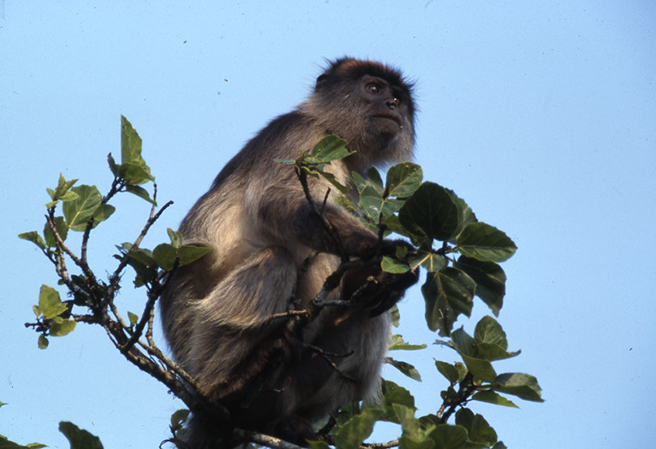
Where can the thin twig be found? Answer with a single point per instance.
(326, 356)
(145, 318)
(328, 227)
(393, 443)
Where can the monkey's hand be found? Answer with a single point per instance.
(391, 289)
(371, 288)
(389, 247)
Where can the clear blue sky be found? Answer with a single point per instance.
(542, 115)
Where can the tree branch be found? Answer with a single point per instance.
(264, 440)
(328, 227)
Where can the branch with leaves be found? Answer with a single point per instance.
(460, 255)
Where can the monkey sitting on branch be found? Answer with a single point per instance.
(272, 253)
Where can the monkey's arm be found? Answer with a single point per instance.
(285, 213)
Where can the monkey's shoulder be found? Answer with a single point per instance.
(285, 137)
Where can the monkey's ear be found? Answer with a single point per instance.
(321, 80)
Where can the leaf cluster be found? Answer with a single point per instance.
(461, 256)
(80, 209)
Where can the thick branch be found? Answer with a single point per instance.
(464, 391)
(264, 440)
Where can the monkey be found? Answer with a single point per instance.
(269, 249)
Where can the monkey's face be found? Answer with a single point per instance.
(385, 107)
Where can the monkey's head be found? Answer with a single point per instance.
(370, 105)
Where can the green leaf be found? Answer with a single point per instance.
(135, 173)
(478, 429)
(521, 385)
(112, 164)
(372, 180)
(318, 445)
(134, 319)
(62, 230)
(405, 368)
(330, 148)
(133, 168)
(403, 179)
(485, 243)
(415, 435)
(447, 293)
(102, 213)
(395, 394)
(396, 316)
(141, 260)
(191, 253)
(429, 260)
(371, 202)
(488, 330)
(465, 214)
(463, 343)
(43, 342)
(482, 370)
(69, 196)
(449, 371)
(62, 189)
(416, 440)
(467, 347)
(430, 211)
(394, 225)
(331, 179)
(79, 211)
(490, 280)
(491, 342)
(33, 237)
(130, 142)
(374, 200)
(6, 444)
(392, 265)
(397, 344)
(449, 395)
(355, 430)
(493, 398)
(178, 418)
(140, 192)
(79, 438)
(492, 352)
(50, 304)
(165, 255)
(61, 326)
(143, 256)
(176, 238)
(449, 437)
(374, 176)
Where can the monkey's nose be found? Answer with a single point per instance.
(393, 103)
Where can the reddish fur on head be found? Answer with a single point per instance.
(335, 107)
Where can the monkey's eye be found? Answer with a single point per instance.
(374, 88)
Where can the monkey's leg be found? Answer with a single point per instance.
(232, 327)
